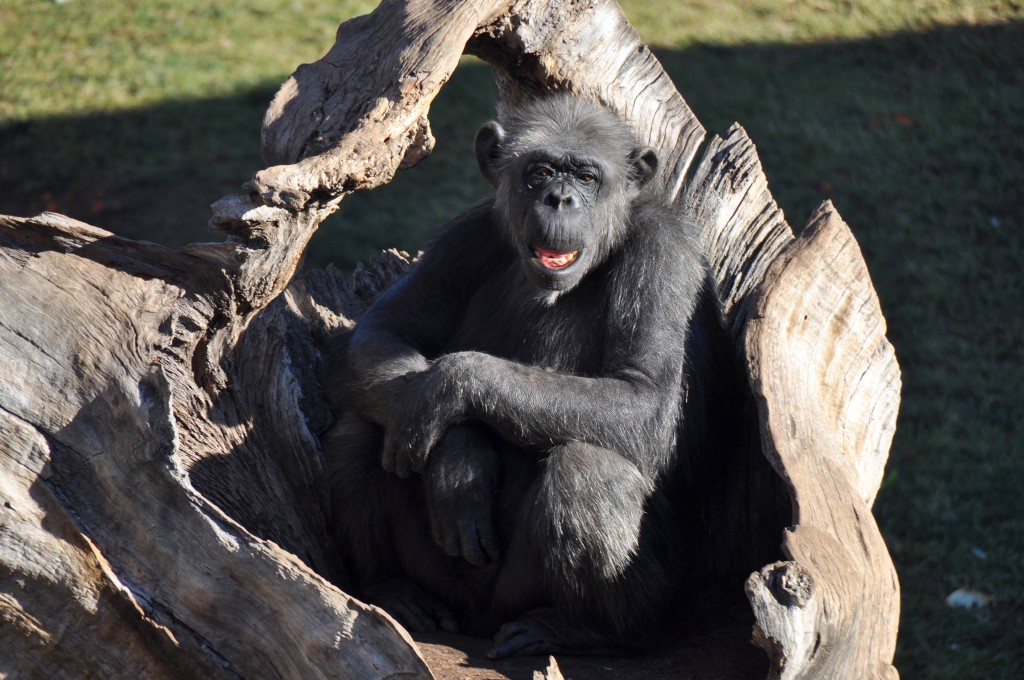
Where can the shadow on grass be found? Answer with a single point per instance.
(917, 138)
(153, 173)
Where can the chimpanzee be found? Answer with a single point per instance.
(518, 407)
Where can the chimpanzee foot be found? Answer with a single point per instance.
(523, 637)
(544, 631)
(413, 607)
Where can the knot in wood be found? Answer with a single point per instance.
(791, 585)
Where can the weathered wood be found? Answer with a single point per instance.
(331, 130)
(552, 672)
(162, 512)
(743, 228)
(831, 396)
(113, 564)
(827, 386)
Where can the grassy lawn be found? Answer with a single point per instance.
(908, 114)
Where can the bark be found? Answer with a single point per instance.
(161, 505)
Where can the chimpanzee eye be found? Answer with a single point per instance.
(587, 177)
(539, 174)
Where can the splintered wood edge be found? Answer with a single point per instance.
(742, 228)
(827, 388)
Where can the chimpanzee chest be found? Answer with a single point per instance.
(508, 318)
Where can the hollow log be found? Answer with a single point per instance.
(161, 504)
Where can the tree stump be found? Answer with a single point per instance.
(161, 505)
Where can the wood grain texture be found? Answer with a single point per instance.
(161, 507)
(351, 119)
(743, 229)
(117, 566)
(827, 386)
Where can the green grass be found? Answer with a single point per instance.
(109, 55)
(795, 22)
(908, 114)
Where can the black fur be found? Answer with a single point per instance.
(511, 451)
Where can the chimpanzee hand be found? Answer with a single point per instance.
(460, 480)
(429, 404)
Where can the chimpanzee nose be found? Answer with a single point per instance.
(560, 196)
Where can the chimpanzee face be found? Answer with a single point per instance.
(565, 178)
(558, 198)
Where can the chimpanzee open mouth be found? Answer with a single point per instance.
(555, 259)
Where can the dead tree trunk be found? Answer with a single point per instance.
(161, 512)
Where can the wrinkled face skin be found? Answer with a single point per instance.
(558, 201)
(565, 175)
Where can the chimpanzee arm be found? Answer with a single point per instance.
(395, 342)
(632, 407)
(408, 325)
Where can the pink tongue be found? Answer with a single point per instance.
(552, 259)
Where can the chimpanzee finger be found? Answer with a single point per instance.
(400, 454)
(419, 448)
(488, 538)
(393, 459)
(471, 551)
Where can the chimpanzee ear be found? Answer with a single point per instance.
(488, 149)
(643, 164)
